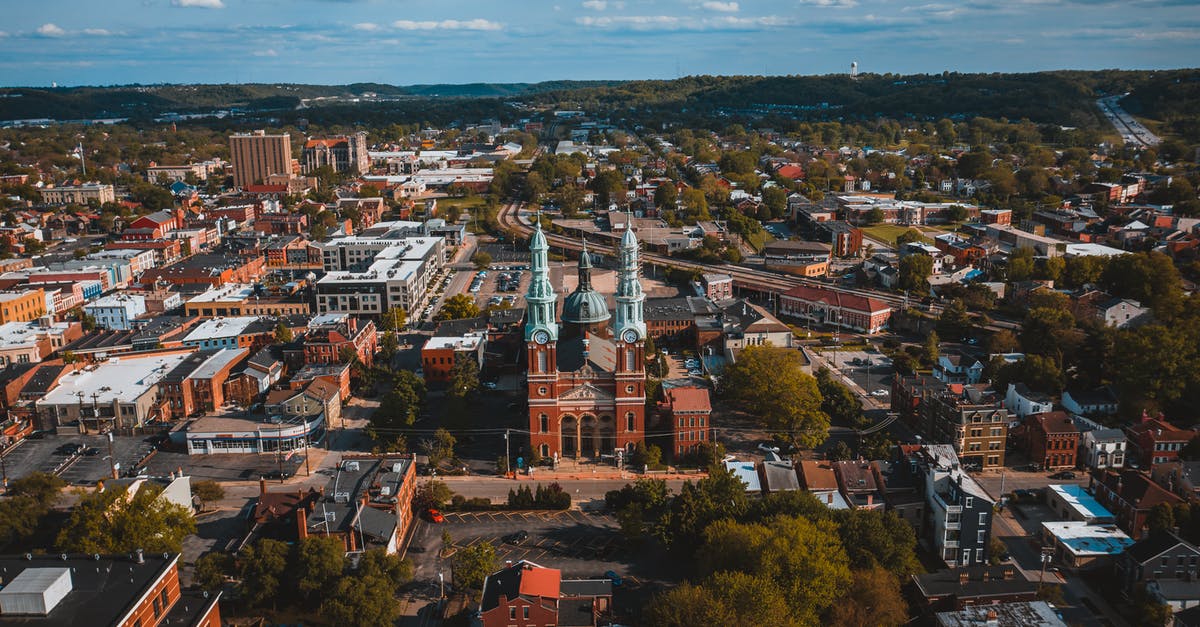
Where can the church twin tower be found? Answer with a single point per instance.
(587, 379)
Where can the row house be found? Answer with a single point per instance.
(688, 411)
(198, 384)
(1051, 439)
(165, 251)
(525, 594)
(1155, 441)
(329, 334)
(970, 418)
(1130, 495)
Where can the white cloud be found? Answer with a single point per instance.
(476, 24)
(674, 23)
(724, 7)
(832, 4)
(595, 5)
(200, 4)
(367, 26)
(269, 52)
(51, 30)
(97, 32)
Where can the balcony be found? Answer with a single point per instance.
(950, 544)
(953, 526)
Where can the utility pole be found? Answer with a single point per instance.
(507, 455)
(112, 467)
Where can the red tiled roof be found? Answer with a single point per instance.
(1055, 422)
(540, 582)
(1136, 488)
(689, 399)
(817, 475)
(1169, 432)
(836, 299)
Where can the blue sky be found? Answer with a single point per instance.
(101, 42)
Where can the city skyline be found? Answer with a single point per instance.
(72, 42)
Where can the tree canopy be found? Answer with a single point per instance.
(771, 384)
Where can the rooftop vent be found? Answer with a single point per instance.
(35, 592)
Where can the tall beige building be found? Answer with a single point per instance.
(255, 156)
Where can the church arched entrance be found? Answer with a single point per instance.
(608, 435)
(589, 442)
(569, 428)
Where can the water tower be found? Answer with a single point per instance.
(854, 70)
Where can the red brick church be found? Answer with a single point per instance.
(587, 376)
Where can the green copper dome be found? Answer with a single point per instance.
(585, 305)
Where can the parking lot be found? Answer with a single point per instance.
(872, 377)
(580, 544)
(45, 455)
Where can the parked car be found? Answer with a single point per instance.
(435, 516)
(614, 577)
(490, 385)
(1065, 474)
(516, 537)
(880, 392)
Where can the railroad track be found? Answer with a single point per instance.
(762, 281)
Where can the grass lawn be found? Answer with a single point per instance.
(465, 203)
(886, 232)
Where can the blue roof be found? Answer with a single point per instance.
(1078, 499)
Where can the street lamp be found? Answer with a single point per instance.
(441, 587)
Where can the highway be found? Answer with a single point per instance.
(744, 278)
(1132, 131)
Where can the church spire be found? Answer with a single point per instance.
(585, 269)
(630, 296)
(540, 300)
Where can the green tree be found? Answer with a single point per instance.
(718, 496)
(771, 384)
(206, 491)
(687, 605)
(262, 567)
(804, 559)
(362, 600)
(458, 307)
(873, 538)
(873, 601)
(431, 495)
(394, 320)
(28, 501)
(665, 196)
(1020, 265)
(915, 270)
(473, 564)
(212, 569)
(875, 216)
(110, 522)
(399, 408)
(775, 198)
(931, 347)
(911, 235)
(1150, 278)
(283, 333)
(954, 321)
(837, 401)
(317, 564)
(440, 448)
(464, 376)
(1161, 518)
(482, 260)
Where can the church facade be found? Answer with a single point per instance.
(586, 370)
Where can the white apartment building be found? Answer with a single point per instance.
(116, 312)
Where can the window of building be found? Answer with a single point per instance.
(544, 423)
(525, 612)
(163, 597)
(969, 501)
(157, 608)
(512, 612)
(630, 423)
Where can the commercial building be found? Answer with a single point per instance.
(78, 194)
(960, 588)
(1130, 495)
(344, 153)
(122, 392)
(116, 312)
(235, 434)
(809, 259)
(256, 156)
(440, 353)
(31, 342)
(717, 286)
(235, 332)
(1154, 441)
(1072, 502)
(243, 299)
(845, 239)
(137, 589)
(369, 277)
(1022, 614)
(22, 306)
(821, 305)
(1080, 545)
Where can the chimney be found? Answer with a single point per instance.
(301, 522)
(262, 486)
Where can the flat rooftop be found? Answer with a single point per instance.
(103, 591)
(233, 292)
(1079, 500)
(1083, 539)
(218, 328)
(121, 379)
(462, 343)
(745, 471)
